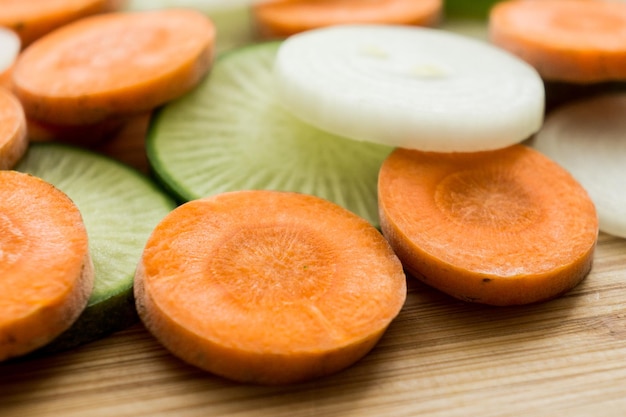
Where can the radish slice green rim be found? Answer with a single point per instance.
(411, 87)
(586, 137)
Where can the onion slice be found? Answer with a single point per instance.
(9, 48)
(410, 87)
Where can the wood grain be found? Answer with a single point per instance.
(441, 357)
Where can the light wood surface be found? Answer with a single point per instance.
(441, 357)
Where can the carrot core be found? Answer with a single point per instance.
(486, 198)
(254, 264)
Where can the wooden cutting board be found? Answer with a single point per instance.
(441, 357)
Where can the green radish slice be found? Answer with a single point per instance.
(410, 87)
(120, 207)
(475, 9)
(10, 45)
(586, 137)
(232, 18)
(230, 133)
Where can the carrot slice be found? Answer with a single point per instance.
(500, 227)
(6, 78)
(268, 287)
(282, 18)
(114, 64)
(34, 18)
(46, 272)
(578, 41)
(13, 140)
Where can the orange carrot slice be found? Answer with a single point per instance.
(499, 227)
(268, 287)
(577, 41)
(281, 18)
(113, 64)
(46, 272)
(32, 19)
(6, 78)
(13, 140)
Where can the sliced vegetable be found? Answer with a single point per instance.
(586, 137)
(46, 272)
(411, 87)
(13, 139)
(34, 18)
(115, 64)
(10, 46)
(268, 287)
(120, 207)
(230, 133)
(502, 227)
(464, 9)
(576, 41)
(282, 18)
(232, 18)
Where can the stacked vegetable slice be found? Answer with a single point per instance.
(283, 18)
(231, 133)
(232, 18)
(99, 70)
(119, 207)
(579, 49)
(13, 139)
(587, 138)
(268, 287)
(46, 268)
(462, 106)
(269, 145)
(410, 87)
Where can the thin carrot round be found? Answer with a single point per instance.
(578, 41)
(13, 139)
(31, 19)
(46, 274)
(6, 78)
(113, 64)
(268, 287)
(282, 18)
(501, 227)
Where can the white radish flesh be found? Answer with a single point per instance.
(232, 18)
(410, 87)
(588, 138)
(9, 48)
